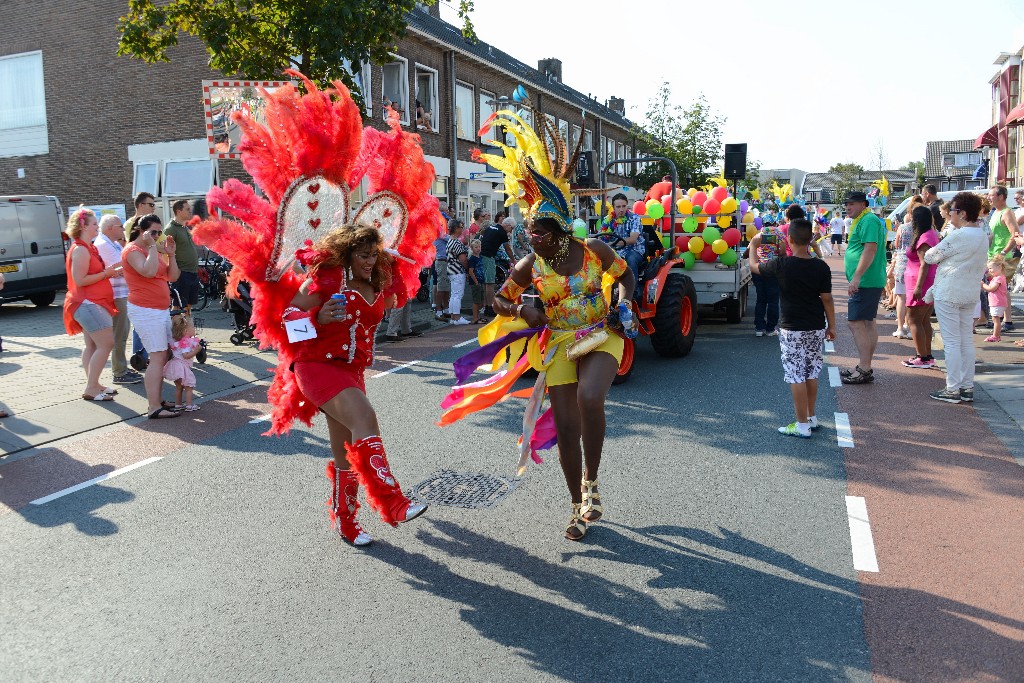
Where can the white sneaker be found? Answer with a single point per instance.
(898, 334)
(460, 321)
(758, 333)
(773, 333)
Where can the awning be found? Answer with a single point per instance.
(987, 139)
(1016, 116)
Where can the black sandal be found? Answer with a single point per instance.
(163, 414)
(859, 376)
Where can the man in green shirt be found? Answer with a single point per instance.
(186, 286)
(865, 269)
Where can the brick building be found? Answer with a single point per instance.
(81, 123)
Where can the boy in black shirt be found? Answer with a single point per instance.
(805, 288)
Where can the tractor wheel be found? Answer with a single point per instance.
(626, 364)
(735, 309)
(675, 319)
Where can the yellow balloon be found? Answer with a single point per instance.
(724, 221)
(696, 245)
(729, 205)
(692, 191)
(719, 247)
(646, 220)
(599, 207)
(751, 231)
(685, 206)
(748, 217)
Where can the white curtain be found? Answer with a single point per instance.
(22, 95)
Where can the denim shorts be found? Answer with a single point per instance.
(863, 305)
(92, 317)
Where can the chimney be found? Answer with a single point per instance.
(433, 10)
(551, 68)
(617, 104)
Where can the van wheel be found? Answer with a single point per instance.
(43, 299)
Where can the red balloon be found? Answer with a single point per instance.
(732, 237)
(666, 203)
(699, 199)
(666, 224)
(708, 255)
(683, 243)
(711, 206)
(640, 209)
(720, 193)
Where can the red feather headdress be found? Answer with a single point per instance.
(306, 155)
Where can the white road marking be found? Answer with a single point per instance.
(844, 435)
(830, 347)
(261, 418)
(403, 366)
(833, 376)
(864, 558)
(465, 343)
(79, 487)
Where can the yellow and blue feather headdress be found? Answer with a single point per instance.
(537, 172)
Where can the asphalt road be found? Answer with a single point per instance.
(724, 555)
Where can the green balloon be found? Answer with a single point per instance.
(688, 259)
(656, 211)
(690, 224)
(728, 258)
(711, 234)
(696, 209)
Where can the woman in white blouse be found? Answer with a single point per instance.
(961, 259)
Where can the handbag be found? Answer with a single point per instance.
(589, 341)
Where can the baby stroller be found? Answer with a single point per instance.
(240, 308)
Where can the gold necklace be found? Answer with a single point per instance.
(559, 258)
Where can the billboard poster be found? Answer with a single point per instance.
(220, 100)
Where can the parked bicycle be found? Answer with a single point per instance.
(213, 279)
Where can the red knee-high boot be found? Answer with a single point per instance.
(383, 493)
(344, 504)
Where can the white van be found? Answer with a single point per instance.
(901, 208)
(32, 249)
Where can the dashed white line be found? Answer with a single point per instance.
(833, 376)
(830, 347)
(864, 558)
(79, 487)
(403, 366)
(261, 418)
(844, 435)
(465, 343)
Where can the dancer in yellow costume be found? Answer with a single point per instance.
(571, 341)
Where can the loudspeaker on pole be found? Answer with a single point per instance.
(736, 161)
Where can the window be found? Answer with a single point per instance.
(487, 107)
(563, 129)
(146, 179)
(620, 153)
(629, 155)
(527, 116)
(187, 177)
(464, 111)
(553, 122)
(603, 153)
(361, 75)
(395, 87)
(610, 154)
(948, 185)
(440, 188)
(962, 159)
(574, 137)
(426, 97)
(972, 185)
(588, 141)
(22, 105)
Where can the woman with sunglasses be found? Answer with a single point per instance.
(148, 268)
(961, 259)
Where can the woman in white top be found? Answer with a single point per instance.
(961, 259)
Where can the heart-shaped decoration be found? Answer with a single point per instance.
(312, 205)
(315, 222)
(297, 222)
(386, 212)
(314, 188)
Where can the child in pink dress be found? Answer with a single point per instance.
(179, 368)
(998, 299)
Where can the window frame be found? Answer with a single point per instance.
(164, 192)
(434, 99)
(588, 140)
(41, 88)
(155, 191)
(481, 95)
(404, 94)
(364, 76)
(472, 114)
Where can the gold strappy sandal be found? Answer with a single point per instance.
(591, 509)
(577, 527)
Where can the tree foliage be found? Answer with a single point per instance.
(259, 39)
(848, 180)
(918, 168)
(690, 136)
(847, 169)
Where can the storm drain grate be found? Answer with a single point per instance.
(470, 490)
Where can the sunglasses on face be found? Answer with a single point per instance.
(154, 233)
(952, 211)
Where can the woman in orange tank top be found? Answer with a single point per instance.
(89, 304)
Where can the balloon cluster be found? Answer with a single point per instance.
(710, 245)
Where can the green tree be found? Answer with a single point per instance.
(918, 168)
(259, 39)
(848, 179)
(690, 136)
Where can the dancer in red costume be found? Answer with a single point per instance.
(321, 315)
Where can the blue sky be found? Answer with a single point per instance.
(804, 84)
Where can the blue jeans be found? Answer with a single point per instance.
(635, 261)
(767, 303)
(137, 346)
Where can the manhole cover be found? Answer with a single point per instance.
(470, 490)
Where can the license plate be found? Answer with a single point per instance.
(10, 268)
